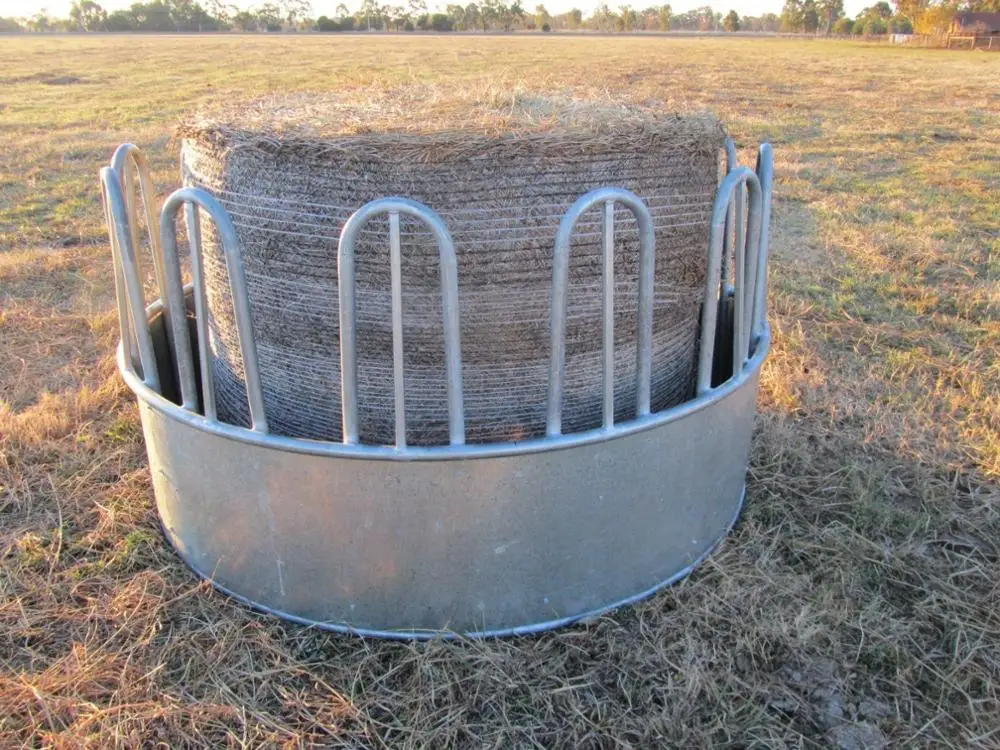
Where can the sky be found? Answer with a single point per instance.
(60, 8)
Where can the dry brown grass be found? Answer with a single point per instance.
(855, 603)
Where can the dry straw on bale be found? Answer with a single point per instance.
(501, 171)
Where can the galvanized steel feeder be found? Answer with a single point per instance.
(406, 541)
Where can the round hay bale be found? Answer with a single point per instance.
(501, 171)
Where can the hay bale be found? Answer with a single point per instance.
(501, 172)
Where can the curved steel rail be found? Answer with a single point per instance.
(128, 161)
(449, 302)
(734, 182)
(560, 282)
(135, 335)
(194, 199)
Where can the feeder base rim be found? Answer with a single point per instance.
(427, 635)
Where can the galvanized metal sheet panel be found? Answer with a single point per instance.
(482, 544)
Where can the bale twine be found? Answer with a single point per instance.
(501, 172)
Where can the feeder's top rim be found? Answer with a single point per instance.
(427, 123)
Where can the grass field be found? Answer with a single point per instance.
(856, 604)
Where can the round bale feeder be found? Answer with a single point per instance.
(483, 379)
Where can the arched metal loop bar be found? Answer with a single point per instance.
(194, 199)
(130, 346)
(127, 161)
(128, 288)
(734, 223)
(449, 303)
(735, 181)
(560, 283)
(765, 173)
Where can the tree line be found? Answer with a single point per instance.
(798, 16)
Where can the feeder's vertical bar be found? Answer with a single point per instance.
(765, 173)
(175, 303)
(127, 177)
(396, 263)
(201, 310)
(129, 347)
(452, 324)
(647, 281)
(135, 303)
(739, 293)
(608, 313)
(754, 195)
(348, 337)
(557, 325)
(755, 200)
(729, 250)
(739, 211)
(241, 307)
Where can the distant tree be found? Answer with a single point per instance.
(294, 12)
(244, 20)
(603, 19)
(843, 26)
(769, 22)
(874, 26)
(441, 22)
(10, 26)
(512, 15)
(900, 25)
(912, 9)
(268, 17)
(663, 17)
(188, 15)
(87, 15)
(732, 21)
(344, 18)
(575, 18)
(708, 19)
(392, 17)
(791, 16)
(120, 20)
(546, 28)
(369, 13)
(457, 13)
(325, 23)
(810, 17)
(881, 9)
(629, 18)
(542, 17)
(934, 19)
(220, 11)
(488, 14)
(829, 12)
(471, 16)
(40, 22)
(152, 16)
